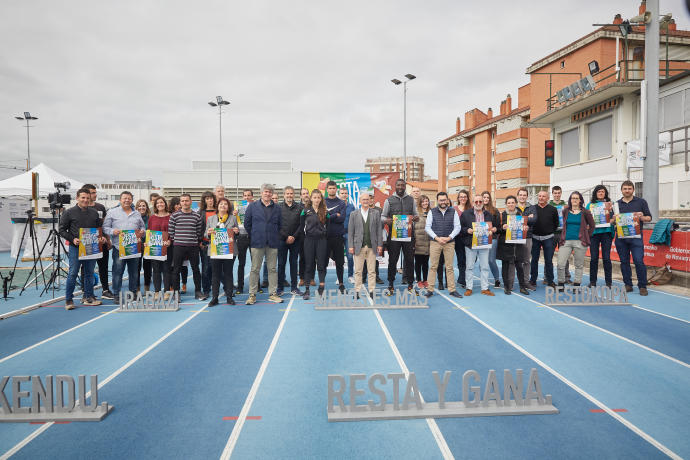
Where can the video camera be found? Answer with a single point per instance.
(57, 200)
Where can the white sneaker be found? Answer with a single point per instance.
(351, 279)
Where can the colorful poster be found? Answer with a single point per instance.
(129, 244)
(154, 249)
(402, 228)
(221, 244)
(241, 207)
(379, 185)
(481, 236)
(600, 214)
(559, 208)
(515, 233)
(89, 247)
(627, 226)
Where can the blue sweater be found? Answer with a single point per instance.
(336, 225)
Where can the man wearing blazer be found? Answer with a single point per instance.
(364, 240)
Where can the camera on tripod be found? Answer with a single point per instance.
(58, 200)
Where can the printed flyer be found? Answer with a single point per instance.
(154, 249)
(600, 214)
(241, 207)
(481, 236)
(129, 244)
(89, 247)
(515, 233)
(402, 228)
(559, 208)
(221, 244)
(627, 226)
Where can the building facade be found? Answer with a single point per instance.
(415, 166)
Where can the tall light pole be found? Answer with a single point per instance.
(27, 116)
(220, 103)
(409, 77)
(237, 174)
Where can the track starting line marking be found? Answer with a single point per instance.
(601, 411)
(248, 417)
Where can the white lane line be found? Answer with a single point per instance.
(43, 428)
(237, 429)
(435, 430)
(55, 336)
(661, 314)
(606, 331)
(601, 405)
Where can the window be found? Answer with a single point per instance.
(570, 147)
(599, 138)
(672, 111)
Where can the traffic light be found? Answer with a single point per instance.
(548, 152)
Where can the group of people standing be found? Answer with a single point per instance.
(305, 233)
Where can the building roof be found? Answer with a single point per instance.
(485, 124)
(427, 184)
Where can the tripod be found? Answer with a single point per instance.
(57, 259)
(34, 246)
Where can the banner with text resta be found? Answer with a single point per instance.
(380, 185)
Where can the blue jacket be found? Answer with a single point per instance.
(662, 232)
(336, 224)
(263, 224)
(348, 210)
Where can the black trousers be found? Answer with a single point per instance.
(146, 263)
(508, 269)
(184, 272)
(394, 248)
(190, 253)
(421, 266)
(316, 256)
(336, 251)
(161, 269)
(462, 262)
(221, 267)
(242, 248)
(103, 269)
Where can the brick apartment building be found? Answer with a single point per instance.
(415, 166)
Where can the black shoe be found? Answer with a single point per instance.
(230, 301)
(575, 284)
(497, 283)
(320, 290)
(390, 291)
(455, 294)
(628, 288)
(643, 291)
(440, 287)
(371, 294)
(259, 291)
(341, 287)
(264, 284)
(306, 294)
(507, 292)
(412, 290)
(378, 280)
(296, 292)
(107, 295)
(198, 295)
(531, 286)
(524, 291)
(552, 284)
(239, 290)
(213, 302)
(560, 287)
(593, 285)
(428, 294)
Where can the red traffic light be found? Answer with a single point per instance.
(549, 159)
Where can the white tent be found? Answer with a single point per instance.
(21, 183)
(15, 194)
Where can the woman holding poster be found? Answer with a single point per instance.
(221, 229)
(512, 250)
(158, 222)
(602, 212)
(496, 221)
(143, 207)
(578, 226)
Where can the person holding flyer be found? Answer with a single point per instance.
(118, 220)
(602, 236)
(400, 204)
(578, 226)
(158, 222)
(633, 211)
(81, 216)
(512, 248)
(102, 262)
(477, 230)
(496, 222)
(559, 204)
(143, 207)
(442, 225)
(222, 222)
(207, 208)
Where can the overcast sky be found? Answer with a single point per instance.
(121, 88)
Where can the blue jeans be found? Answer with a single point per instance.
(492, 260)
(119, 268)
(350, 259)
(548, 246)
(74, 266)
(205, 272)
(471, 257)
(626, 246)
(283, 250)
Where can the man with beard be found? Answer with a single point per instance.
(442, 225)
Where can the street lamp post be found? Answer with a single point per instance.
(27, 116)
(409, 77)
(220, 103)
(237, 174)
